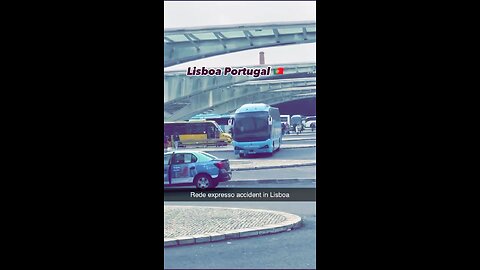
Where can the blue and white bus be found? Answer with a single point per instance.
(257, 129)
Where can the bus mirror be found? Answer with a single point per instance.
(270, 120)
(230, 122)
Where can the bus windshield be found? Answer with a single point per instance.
(251, 126)
(218, 127)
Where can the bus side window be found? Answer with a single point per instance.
(211, 132)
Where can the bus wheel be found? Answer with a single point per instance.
(203, 181)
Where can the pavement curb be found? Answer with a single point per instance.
(274, 167)
(299, 139)
(303, 146)
(292, 222)
(273, 181)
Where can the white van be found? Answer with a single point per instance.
(310, 121)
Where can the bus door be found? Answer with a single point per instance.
(213, 134)
(183, 168)
(166, 167)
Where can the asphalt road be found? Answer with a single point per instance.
(304, 172)
(290, 250)
(285, 154)
(303, 142)
(307, 184)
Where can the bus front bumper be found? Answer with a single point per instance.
(251, 150)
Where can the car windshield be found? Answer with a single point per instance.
(251, 126)
(218, 127)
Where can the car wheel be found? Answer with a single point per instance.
(204, 181)
(241, 155)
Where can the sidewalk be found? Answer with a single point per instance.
(187, 225)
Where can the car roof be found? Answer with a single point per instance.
(254, 107)
(185, 151)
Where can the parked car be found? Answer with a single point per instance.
(194, 168)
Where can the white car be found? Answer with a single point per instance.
(311, 121)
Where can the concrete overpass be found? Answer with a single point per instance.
(188, 44)
(187, 96)
(271, 98)
(226, 97)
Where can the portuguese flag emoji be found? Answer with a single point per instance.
(277, 71)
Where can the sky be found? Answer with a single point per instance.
(210, 13)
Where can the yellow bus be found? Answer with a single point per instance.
(197, 132)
